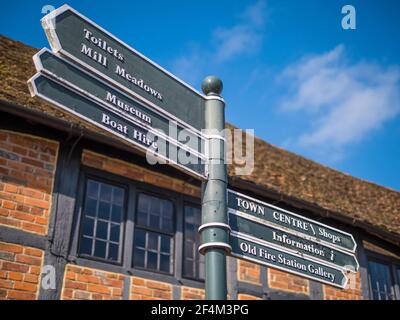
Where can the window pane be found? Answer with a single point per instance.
(100, 249)
(93, 189)
(380, 281)
(101, 219)
(88, 225)
(152, 241)
(86, 246)
(140, 238)
(118, 196)
(102, 230)
(164, 263)
(104, 210)
(91, 207)
(138, 258)
(151, 260)
(165, 245)
(113, 252)
(189, 249)
(116, 213)
(105, 192)
(114, 232)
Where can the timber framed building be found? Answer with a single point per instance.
(113, 227)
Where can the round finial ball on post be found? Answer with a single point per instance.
(212, 85)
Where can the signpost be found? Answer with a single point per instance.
(95, 76)
(278, 238)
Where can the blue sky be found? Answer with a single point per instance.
(290, 71)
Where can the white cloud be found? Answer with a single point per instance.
(243, 38)
(344, 101)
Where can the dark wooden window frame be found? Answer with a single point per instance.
(125, 265)
(392, 263)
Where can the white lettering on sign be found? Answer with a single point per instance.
(249, 205)
(334, 238)
(292, 221)
(285, 239)
(96, 56)
(102, 44)
(137, 82)
(127, 108)
(113, 124)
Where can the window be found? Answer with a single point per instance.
(101, 224)
(193, 261)
(380, 279)
(153, 240)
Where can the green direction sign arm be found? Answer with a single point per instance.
(128, 107)
(245, 224)
(256, 251)
(72, 102)
(84, 42)
(294, 222)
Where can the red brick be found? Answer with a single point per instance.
(87, 278)
(11, 266)
(25, 286)
(21, 295)
(34, 228)
(31, 278)
(75, 285)
(34, 261)
(33, 252)
(6, 284)
(82, 295)
(10, 188)
(98, 289)
(10, 247)
(15, 276)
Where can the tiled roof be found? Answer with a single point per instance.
(275, 169)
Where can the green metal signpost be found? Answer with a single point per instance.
(95, 76)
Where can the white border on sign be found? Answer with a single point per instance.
(243, 237)
(301, 217)
(34, 92)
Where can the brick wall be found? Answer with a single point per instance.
(287, 282)
(188, 293)
(351, 292)
(27, 167)
(20, 268)
(138, 173)
(248, 272)
(144, 289)
(90, 284)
